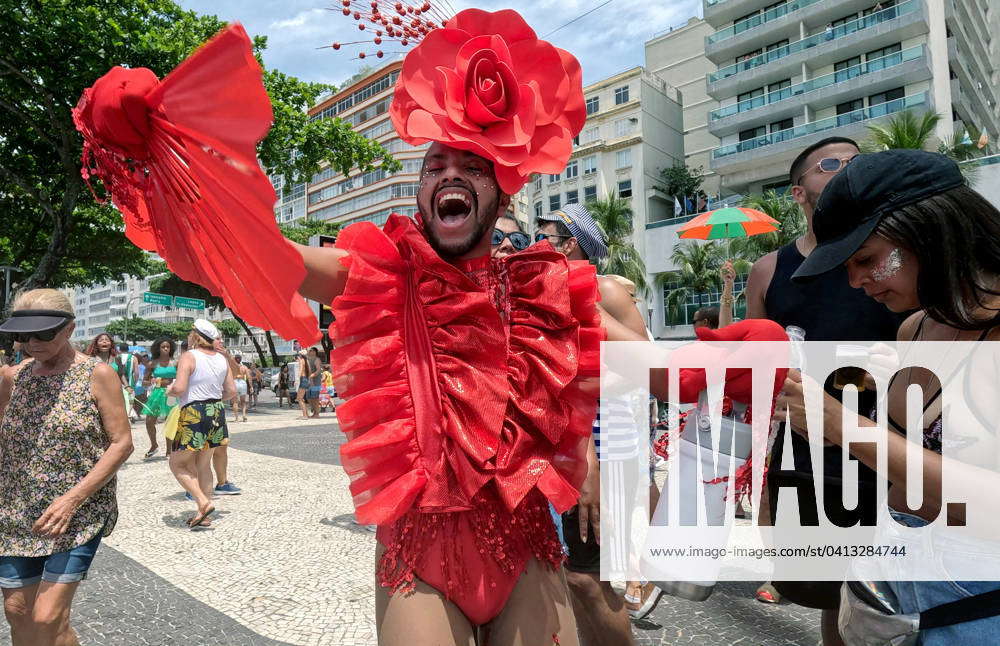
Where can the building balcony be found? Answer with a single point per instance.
(908, 66)
(782, 22)
(721, 12)
(752, 152)
(972, 67)
(893, 25)
(972, 94)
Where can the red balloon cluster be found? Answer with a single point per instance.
(400, 22)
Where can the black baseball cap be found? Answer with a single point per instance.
(869, 188)
(25, 321)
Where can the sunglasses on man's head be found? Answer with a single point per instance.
(45, 336)
(517, 239)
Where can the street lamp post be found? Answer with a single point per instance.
(127, 306)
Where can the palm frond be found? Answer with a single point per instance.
(904, 130)
(614, 216)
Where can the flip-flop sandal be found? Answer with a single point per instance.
(195, 522)
(767, 594)
(204, 523)
(150, 453)
(655, 594)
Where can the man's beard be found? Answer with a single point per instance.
(459, 248)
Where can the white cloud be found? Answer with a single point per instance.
(302, 19)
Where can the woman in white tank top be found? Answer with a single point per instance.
(204, 380)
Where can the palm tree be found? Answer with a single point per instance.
(902, 130)
(614, 216)
(698, 273)
(791, 225)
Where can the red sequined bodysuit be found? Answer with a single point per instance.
(467, 406)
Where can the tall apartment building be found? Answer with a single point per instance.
(633, 130)
(370, 196)
(678, 57)
(790, 73)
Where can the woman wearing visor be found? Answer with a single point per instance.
(63, 437)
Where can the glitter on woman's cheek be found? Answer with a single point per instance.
(888, 267)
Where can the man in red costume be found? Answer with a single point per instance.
(465, 378)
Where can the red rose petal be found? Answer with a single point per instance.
(550, 148)
(576, 109)
(507, 24)
(453, 96)
(419, 74)
(539, 61)
(480, 45)
(519, 129)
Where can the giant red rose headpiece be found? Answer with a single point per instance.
(485, 83)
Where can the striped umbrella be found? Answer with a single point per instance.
(730, 222)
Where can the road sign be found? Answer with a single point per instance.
(189, 303)
(157, 299)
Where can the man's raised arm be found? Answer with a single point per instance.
(326, 276)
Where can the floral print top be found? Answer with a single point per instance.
(50, 439)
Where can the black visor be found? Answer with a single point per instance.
(22, 321)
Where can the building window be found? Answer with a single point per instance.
(572, 197)
(882, 58)
(850, 111)
(554, 202)
(623, 158)
(623, 127)
(745, 57)
(538, 183)
(554, 178)
(886, 102)
(590, 135)
(752, 133)
(846, 69)
(781, 130)
(593, 105)
(590, 164)
(778, 91)
(621, 95)
(572, 169)
(538, 210)
(576, 140)
(589, 193)
(625, 188)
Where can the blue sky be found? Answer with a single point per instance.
(607, 41)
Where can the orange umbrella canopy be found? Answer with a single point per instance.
(729, 222)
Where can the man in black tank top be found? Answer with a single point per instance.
(828, 309)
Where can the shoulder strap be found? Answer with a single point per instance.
(980, 606)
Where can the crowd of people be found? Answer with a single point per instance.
(466, 352)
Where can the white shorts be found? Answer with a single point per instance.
(241, 388)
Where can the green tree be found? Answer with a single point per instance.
(135, 329)
(614, 216)
(52, 228)
(680, 181)
(302, 230)
(902, 130)
(697, 274)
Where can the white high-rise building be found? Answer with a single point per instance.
(787, 74)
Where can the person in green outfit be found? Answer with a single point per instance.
(160, 372)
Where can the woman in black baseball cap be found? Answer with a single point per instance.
(914, 236)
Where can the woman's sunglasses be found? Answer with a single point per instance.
(46, 336)
(517, 239)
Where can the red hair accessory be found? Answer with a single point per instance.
(179, 160)
(485, 83)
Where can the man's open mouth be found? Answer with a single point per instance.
(453, 206)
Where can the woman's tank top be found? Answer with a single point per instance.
(207, 378)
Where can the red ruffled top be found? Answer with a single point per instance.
(460, 376)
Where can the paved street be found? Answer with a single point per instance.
(284, 564)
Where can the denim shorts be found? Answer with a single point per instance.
(62, 567)
(916, 596)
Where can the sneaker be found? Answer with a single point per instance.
(228, 489)
(188, 497)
